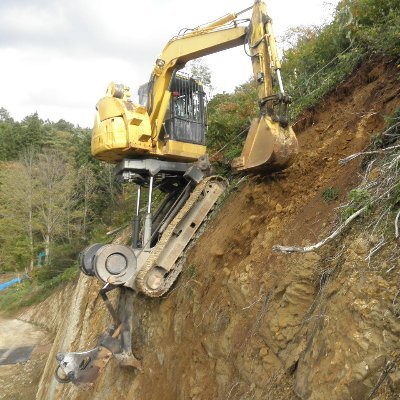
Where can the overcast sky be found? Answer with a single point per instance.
(58, 56)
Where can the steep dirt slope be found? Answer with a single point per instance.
(245, 323)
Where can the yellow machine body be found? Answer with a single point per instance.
(125, 130)
(122, 130)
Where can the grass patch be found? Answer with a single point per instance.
(359, 198)
(31, 292)
(330, 194)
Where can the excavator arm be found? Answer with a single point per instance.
(271, 143)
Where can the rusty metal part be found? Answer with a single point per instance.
(158, 273)
(269, 147)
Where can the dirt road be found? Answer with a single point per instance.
(16, 333)
(21, 340)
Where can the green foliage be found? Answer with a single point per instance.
(229, 117)
(330, 194)
(318, 62)
(322, 57)
(31, 292)
(375, 24)
(53, 195)
(359, 198)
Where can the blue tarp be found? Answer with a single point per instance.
(5, 285)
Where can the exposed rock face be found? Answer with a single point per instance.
(355, 336)
(244, 323)
(47, 313)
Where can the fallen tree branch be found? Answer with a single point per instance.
(308, 249)
(366, 153)
(396, 225)
(388, 369)
(375, 249)
(116, 230)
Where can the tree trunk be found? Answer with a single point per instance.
(46, 249)
(30, 228)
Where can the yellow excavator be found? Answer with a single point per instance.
(159, 144)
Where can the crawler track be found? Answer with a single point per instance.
(141, 279)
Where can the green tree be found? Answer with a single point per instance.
(229, 114)
(34, 134)
(87, 186)
(201, 71)
(54, 197)
(5, 115)
(27, 161)
(16, 223)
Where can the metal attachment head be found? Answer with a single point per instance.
(81, 368)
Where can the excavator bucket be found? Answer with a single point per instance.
(269, 147)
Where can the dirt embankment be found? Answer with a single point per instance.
(245, 323)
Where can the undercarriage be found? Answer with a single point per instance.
(152, 262)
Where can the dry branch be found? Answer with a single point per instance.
(366, 153)
(375, 249)
(308, 249)
(116, 230)
(396, 225)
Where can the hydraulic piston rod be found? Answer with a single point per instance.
(136, 222)
(148, 221)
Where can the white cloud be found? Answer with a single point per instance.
(58, 57)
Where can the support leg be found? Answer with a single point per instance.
(136, 222)
(148, 222)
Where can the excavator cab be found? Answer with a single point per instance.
(185, 118)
